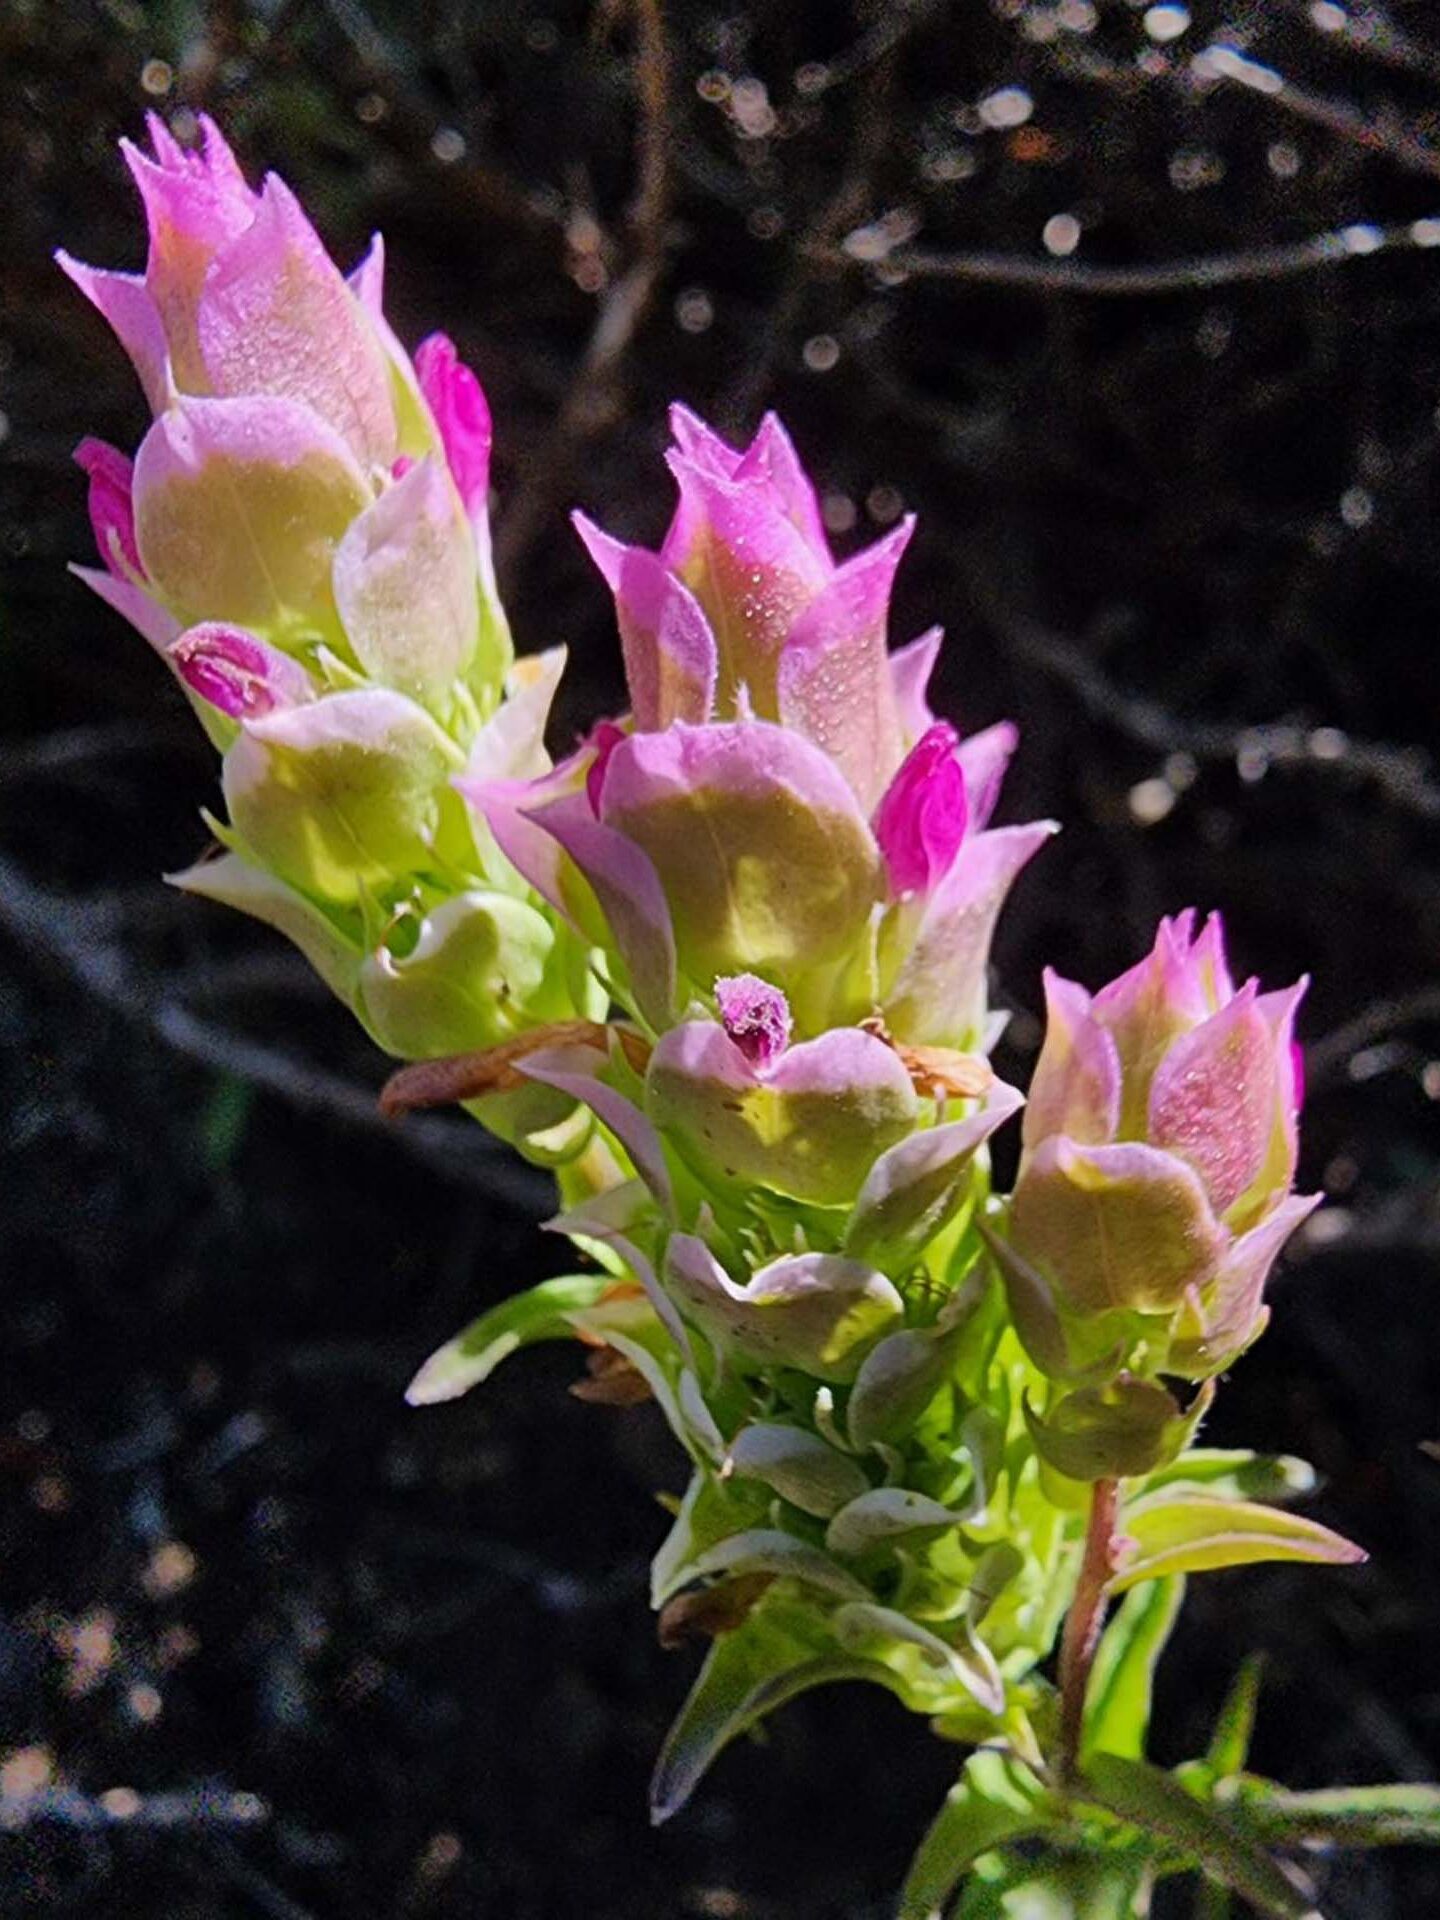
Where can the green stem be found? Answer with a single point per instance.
(1084, 1620)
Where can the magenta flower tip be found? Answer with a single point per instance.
(923, 814)
(462, 414)
(756, 1016)
(112, 513)
(237, 672)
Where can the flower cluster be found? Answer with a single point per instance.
(303, 536)
(735, 945)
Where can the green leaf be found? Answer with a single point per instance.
(772, 1550)
(1150, 1799)
(882, 1515)
(781, 1650)
(1341, 1816)
(1229, 1747)
(862, 1626)
(996, 1799)
(1196, 1533)
(1117, 1700)
(799, 1466)
(541, 1313)
(1234, 1473)
(1056, 1887)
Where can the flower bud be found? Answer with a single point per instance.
(1160, 1146)
(112, 511)
(237, 672)
(922, 817)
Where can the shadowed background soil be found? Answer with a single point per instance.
(1151, 342)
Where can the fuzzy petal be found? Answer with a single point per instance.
(1213, 1098)
(915, 1188)
(630, 896)
(670, 660)
(134, 604)
(756, 1016)
(239, 507)
(810, 1129)
(1233, 1312)
(1076, 1085)
(751, 570)
(833, 681)
(771, 457)
(124, 300)
(983, 760)
(405, 585)
(938, 998)
(346, 790)
(196, 203)
(233, 882)
(276, 317)
(910, 669)
(1115, 1226)
(765, 859)
(923, 813)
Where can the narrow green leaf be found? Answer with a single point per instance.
(541, 1313)
(882, 1515)
(1341, 1816)
(780, 1651)
(1195, 1533)
(1150, 1799)
(1229, 1747)
(996, 1799)
(1117, 1700)
(1234, 1473)
(863, 1627)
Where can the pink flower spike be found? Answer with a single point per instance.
(756, 1016)
(462, 414)
(605, 736)
(922, 817)
(112, 512)
(237, 672)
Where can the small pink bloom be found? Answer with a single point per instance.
(1160, 1144)
(112, 512)
(462, 414)
(756, 1016)
(922, 817)
(237, 672)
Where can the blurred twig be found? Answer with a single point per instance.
(1196, 275)
(1402, 774)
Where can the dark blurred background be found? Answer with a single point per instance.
(1149, 335)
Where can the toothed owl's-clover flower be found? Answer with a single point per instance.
(1159, 1156)
(780, 801)
(724, 967)
(303, 536)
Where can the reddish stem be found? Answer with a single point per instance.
(1084, 1620)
